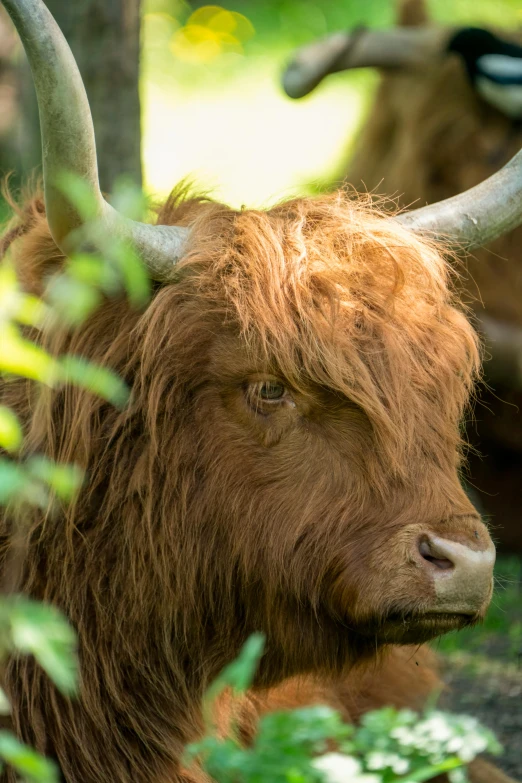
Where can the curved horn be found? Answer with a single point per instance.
(477, 216)
(399, 47)
(68, 142)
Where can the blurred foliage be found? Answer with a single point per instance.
(214, 109)
(388, 746)
(28, 627)
(210, 32)
(200, 32)
(116, 266)
(32, 767)
(32, 628)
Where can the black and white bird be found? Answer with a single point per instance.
(494, 67)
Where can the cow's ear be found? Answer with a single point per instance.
(412, 13)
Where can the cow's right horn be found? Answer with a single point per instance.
(68, 143)
(398, 47)
(477, 216)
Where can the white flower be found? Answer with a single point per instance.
(377, 761)
(400, 766)
(342, 769)
(455, 744)
(478, 743)
(457, 775)
(387, 761)
(404, 735)
(337, 768)
(469, 724)
(436, 728)
(471, 749)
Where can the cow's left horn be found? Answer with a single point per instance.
(477, 216)
(399, 47)
(68, 142)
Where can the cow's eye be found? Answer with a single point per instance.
(266, 395)
(271, 390)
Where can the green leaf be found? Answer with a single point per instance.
(12, 481)
(31, 311)
(433, 770)
(64, 480)
(80, 194)
(128, 199)
(240, 673)
(9, 291)
(26, 761)
(98, 380)
(21, 357)
(16, 305)
(302, 729)
(72, 300)
(5, 707)
(134, 273)
(42, 631)
(111, 248)
(93, 270)
(10, 430)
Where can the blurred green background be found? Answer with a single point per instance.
(212, 103)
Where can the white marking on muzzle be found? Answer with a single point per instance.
(466, 586)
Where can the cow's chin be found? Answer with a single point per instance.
(416, 628)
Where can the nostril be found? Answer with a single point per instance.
(426, 552)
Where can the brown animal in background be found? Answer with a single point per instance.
(289, 462)
(433, 132)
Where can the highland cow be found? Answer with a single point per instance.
(289, 462)
(446, 116)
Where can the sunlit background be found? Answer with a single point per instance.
(213, 107)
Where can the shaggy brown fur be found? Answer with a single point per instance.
(209, 512)
(430, 136)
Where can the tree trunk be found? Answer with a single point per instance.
(104, 36)
(9, 100)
